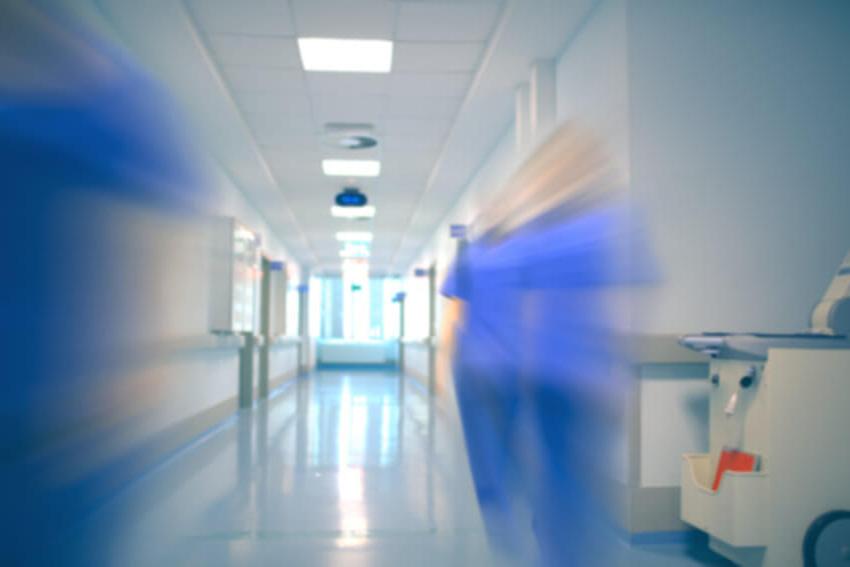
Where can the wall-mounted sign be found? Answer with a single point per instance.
(457, 231)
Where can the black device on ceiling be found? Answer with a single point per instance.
(351, 197)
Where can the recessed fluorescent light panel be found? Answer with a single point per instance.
(355, 250)
(364, 212)
(354, 236)
(351, 167)
(346, 55)
(354, 253)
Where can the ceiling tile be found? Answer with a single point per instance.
(340, 108)
(288, 143)
(266, 17)
(364, 19)
(299, 183)
(270, 129)
(406, 182)
(429, 84)
(417, 56)
(405, 167)
(254, 78)
(423, 107)
(416, 126)
(272, 103)
(426, 21)
(400, 200)
(348, 84)
(303, 183)
(414, 163)
(393, 217)
(270, 51)
(297, 160)
(421, 147)
(386, 246)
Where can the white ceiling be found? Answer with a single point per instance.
(236, 68)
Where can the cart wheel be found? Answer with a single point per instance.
(827, 541)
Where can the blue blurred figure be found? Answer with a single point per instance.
(82, 131)
(486, 369)
(536, 364)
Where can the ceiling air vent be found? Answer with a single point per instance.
(350, 135)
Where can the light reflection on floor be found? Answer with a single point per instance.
(341, 469)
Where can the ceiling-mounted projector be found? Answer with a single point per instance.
(351, 197)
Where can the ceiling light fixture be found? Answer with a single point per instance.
(351, 167)
(365, 212)
(354, 236)
(346, 55)
(353, 253)
(354, 246)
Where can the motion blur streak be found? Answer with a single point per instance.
(538, 370)
(94, 168)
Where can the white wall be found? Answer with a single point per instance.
(592, 90)
(138, 289)
(593, 81)
(156, 368)
(730, 123)
(673, 419)
(739, 135)
(283, 361)
(417, 305)
(440, 250)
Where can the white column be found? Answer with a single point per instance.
(522, 126)
(304, 327)
(542, 109)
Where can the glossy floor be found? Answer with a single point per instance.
(338, 469)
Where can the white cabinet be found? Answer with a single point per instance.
(234, 278)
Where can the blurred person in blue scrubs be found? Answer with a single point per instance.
(487, 387)
(86, 142)
(536, 364)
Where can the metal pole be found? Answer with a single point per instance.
(246, 370)
(303, 329)
(265, 335)
(432, 328)
(401, 336)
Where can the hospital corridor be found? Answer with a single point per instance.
(403, 283)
